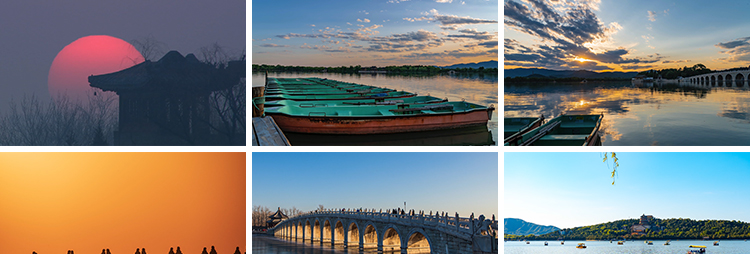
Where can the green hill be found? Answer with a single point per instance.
(659, 229)
(521, 227)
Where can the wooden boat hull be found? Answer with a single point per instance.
(380, 125)
(564, 130)
(515, 127)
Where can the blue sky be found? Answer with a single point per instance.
(575, 189)
(374, 32)
(626, 35)
(450, 182)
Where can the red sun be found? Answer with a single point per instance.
(90, 55)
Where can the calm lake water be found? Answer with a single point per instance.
(669, 115)
(725, 247)
(479, 89)
(267, 244)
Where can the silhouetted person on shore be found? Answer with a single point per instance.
(107, 252)
(171, 250)
(178, 250)
(143, 251)
(104, 251)
(33, 252)
(213, 251)
(137, 251)
(204, 251)
(237, 251)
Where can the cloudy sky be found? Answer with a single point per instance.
(34, 32)
(374, 32)
(636, 35)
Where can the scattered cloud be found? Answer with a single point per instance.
(396, 1)
(456, 20)
(738, 50)
(363, 20)
(444, 1)
(312, 25)
(569, 30)
(271, 45)
(651, 16)
(363, 11)
(472, 34)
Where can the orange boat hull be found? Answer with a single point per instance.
(380, 125)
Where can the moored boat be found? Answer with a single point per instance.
(380, 118)
(581, 246)
(564, 130)
(667, 242)
(515, 127)
(362, 102)
(716, 243)
(545, 243)
(620, 242)
(354, 96)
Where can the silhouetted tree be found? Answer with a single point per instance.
(227, 106)
(149, 47)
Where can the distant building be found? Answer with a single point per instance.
(643, 225)
(276, 218)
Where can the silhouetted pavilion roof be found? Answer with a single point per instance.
(173, 71)
(278, 215)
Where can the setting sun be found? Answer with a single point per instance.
(582, 59)
(90, 55)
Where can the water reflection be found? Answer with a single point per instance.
(645, 114)
(267, 244)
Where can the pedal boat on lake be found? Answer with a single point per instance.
(515, 127)
(349, 96)
(564, 130)
(378, 119)
(581, 246)
(620, 242)
(698, 249)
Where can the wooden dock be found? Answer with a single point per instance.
(267, 133)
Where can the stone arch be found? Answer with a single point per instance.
(326, 231)
(702, 80)
(353, 234)
(418, 242)
(308, 230)
(299, 230)
(316, 231)
(370, 236)
(728, 78)
(713, 78)
(339, 232)
(392, 239)
(719, 78)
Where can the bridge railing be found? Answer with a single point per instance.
(449, 223)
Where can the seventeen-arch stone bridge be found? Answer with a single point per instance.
(392, 231)
(731, 78)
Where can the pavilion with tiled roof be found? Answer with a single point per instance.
(166, 102)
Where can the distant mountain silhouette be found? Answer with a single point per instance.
(515, 226)
(524, 72)
(487, 64)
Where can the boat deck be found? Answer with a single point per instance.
(267, 133)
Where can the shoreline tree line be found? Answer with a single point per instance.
(403, 69)
(661, 229)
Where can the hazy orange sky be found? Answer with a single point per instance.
(85, 202)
